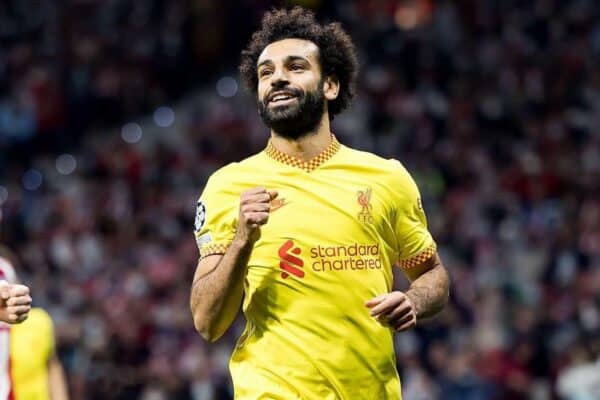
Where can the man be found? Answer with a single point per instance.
(29, 367)
(307, 231)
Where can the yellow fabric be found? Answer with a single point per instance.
(329, 245)
(31, 346)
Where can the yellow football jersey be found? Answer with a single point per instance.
(31, 347)
(338, 225)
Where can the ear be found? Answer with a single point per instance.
(331, 87)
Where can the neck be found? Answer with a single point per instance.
(307, 146)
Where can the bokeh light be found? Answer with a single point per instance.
(32, 179)
(164, 116)
(131, 132)
(227, 87)
(66, 164)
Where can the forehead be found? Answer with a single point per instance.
(281, 49)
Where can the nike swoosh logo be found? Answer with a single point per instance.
(277, 204)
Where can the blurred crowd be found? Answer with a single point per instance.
(114, 113)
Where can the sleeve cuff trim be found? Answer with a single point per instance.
(418, 258)
(213, 248)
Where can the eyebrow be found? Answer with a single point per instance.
(288, 59)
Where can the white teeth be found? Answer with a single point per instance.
(281, 97)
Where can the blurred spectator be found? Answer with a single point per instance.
(580, 382)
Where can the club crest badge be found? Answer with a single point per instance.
(364, 201)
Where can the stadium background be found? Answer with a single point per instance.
(113, 114)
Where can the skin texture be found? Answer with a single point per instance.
(302, 113)
(426, 296)
(217, 289)
(295, 63)
(15, 302)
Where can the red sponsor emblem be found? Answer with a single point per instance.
(290, 264)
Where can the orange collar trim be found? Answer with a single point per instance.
(307, 166)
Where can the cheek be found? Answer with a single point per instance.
(261, 90)
(311, 83)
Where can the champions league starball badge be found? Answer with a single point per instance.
(200, 216)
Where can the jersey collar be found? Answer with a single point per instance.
(307, 166)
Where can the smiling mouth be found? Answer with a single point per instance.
(282, 99)
(281, 102)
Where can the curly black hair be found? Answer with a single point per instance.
(337, 54)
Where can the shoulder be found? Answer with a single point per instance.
(39, 320)
(236, 171)
(41, 315)
(219, 182)
(227, 182)
(361, 157)
(390, 171)
(223, 173)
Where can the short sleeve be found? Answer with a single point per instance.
(414, 242)
(215, 222)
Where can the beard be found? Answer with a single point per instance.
(297, 119)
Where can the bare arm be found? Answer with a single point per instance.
(56, 380)
(218, 289)
(429, 291)
(218, 285)
(427, 295)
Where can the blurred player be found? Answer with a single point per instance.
(15, 305)
(32, 370)
(306, 233)
(15, 301)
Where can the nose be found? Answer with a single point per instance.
(279, 78)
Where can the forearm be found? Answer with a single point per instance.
(429, 292)
(57, 381)
(217, 294)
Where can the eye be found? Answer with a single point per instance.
(264, 72)
(296, 67)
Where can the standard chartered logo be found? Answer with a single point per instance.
(354, 257)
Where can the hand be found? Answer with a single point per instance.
(15, 302)
(394, 310)
(255, 204)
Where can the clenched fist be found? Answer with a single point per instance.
(254, 212)
(394, 310)
(15, 302)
